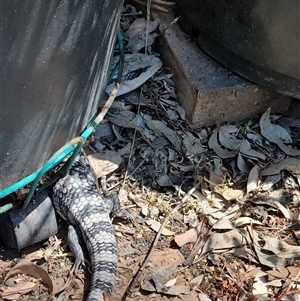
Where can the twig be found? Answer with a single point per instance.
(158, 2)
(132, 14)
(147, 24)
(164, 3)
(139, 273)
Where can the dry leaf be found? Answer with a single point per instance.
(290, 164)
(284, 272)
(275, 204)
(242, 221)
(276, 283)
(223, 224)
(160, 128)
(282, 133)
(280, 248)
(187, 237)
(231, 194)
(164, 181)
(260, 289)
(139, 26)
(252, 179)
(197, 280)
(104, 164)
(227, 140)
(125, 119)
(268, 260)
(157, 278)
(268, 131)
(32, 270)
(245, 146)
(251, 153)
(221, 152)
(242, 165)
(203, 297)
(178, 290)
(171, 282)
(192, 144)
(145, 210)
(291, 122)
(269, 182)
(254, 271)
(222, 241)
(13, 293)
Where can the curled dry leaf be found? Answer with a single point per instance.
(270, 133)
(227, 140)
(290, 164)
(32, 270)
(187, 237)
(221, 152)
(242, 221)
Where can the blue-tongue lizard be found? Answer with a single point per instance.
(77, 198)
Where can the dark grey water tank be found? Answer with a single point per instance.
(55, 57)
(258, 39)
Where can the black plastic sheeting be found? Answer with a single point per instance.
(258, 39)
(55, 57)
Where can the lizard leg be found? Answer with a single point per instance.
(114, 202)
(73, 242)
(113, 205)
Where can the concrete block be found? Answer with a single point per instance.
(208, 92)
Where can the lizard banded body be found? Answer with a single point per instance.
(77, 198)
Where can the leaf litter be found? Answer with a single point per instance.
(218, 207)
